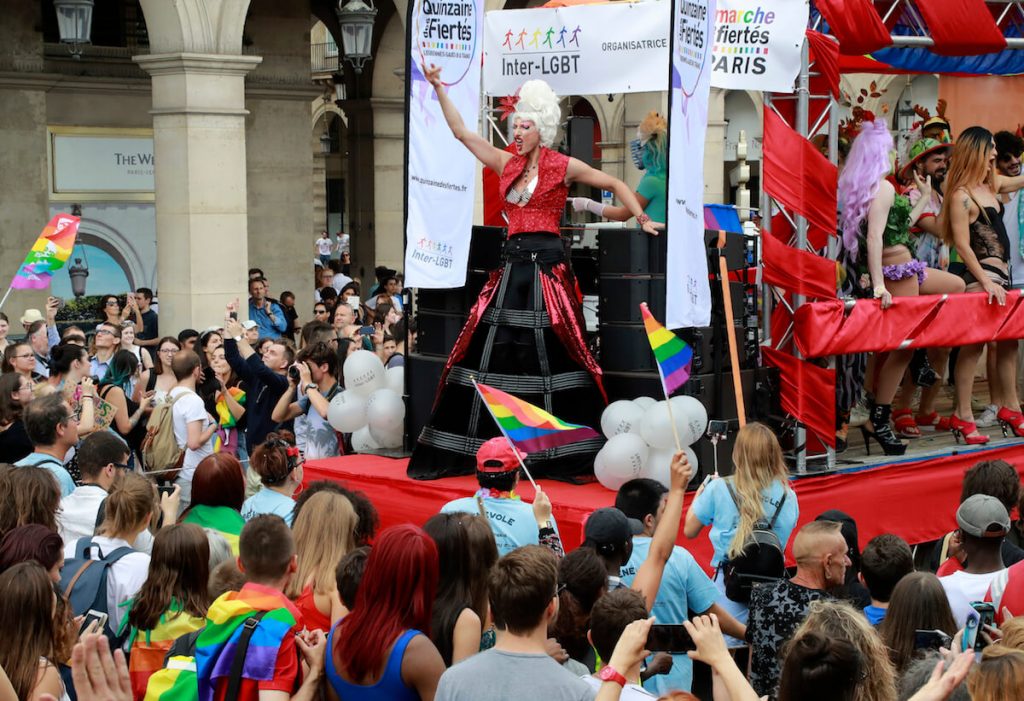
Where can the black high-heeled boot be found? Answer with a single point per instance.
(882, 432)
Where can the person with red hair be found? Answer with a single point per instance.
(218, 491)
(389, 627)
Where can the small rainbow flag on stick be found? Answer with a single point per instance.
(529, 428)
(49, 253)
(674, 356)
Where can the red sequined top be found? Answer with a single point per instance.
(544, 210)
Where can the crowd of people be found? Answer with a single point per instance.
(945, 221)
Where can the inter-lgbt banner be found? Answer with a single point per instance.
(48, 254)
(687, 287)
(440, 173)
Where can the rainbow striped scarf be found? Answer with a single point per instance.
(217, 644)
(222, 519)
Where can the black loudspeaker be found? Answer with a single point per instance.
(579, 137)
(424, 373)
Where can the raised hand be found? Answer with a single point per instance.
(432, 74)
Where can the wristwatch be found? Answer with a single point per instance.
(608, 674)
(307, 387)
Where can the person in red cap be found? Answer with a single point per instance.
(514, 522)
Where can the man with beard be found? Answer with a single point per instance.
(928, 158)
(1008, 154)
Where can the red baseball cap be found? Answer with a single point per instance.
(495, 456)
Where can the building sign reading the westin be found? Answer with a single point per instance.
(86, 163)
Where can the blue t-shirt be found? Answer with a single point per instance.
(715, 508)
(511, 520)
(874, 614)
(55, 466)
(684, 587)
(653, 188)
(267, 501)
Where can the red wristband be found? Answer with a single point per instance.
(608, 674)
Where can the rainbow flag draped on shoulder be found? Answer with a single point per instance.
(48, 254)
(674, 356)
(529, 427)
(222, 519)
(217, 644)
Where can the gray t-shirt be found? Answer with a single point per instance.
(506, 676)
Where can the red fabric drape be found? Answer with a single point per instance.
(825, 54)
(797, 271)
(781, 319)
(822, 328)
(856, 24)
(492, 199)
(797, 175)
(961, 27)
(808, 393)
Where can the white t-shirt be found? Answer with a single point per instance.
(630, 692)
(343, 243)
(339, 282)
(962, 588)
(124, 578)
(77, 519)
(186, 410)
(324, 246)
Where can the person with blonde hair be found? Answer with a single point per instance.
(758, 489)
(837, 620)
(527, 322)
(972, 221)
(324, 532)
(999, 676)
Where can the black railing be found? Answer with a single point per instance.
(323, 58)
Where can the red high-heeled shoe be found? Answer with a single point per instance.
(963, 429)
(1010, 421)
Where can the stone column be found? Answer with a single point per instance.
(360, 185)
(199, 152)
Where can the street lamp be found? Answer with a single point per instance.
(79, 271)
(356, 20)
(74, 21)
(325, 143)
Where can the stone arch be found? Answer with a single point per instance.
(321, 109)
(119, 247)
(195, 26)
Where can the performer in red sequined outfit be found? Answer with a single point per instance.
(525, 332)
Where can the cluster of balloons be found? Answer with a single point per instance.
(371, 407)
(641, 441)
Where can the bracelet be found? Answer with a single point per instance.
(642, 218)
(879, 291)
(88, 396)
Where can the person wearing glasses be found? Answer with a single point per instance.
(102, 460)
(106, 342)
(112, 312)
(15, 394)
(53, 429)
(21, 360)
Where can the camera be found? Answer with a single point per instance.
(293, 374)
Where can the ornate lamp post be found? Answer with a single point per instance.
(356, 19)
(74, 21)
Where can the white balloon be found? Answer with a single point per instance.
(656, 428)
(645, 403)
(691, 418)
(622, 416)
(621, 459)
(385, 411)
(362, 441)
(347, 412)
(363, 372)
(387, 439)
(394, 378)
(659, 466)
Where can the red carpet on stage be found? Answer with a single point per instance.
(915, 499)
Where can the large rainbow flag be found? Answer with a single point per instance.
(222, 519)
(674, 356)
(48, 254)
(529, 427)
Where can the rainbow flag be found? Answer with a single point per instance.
(217, 644)
(529, 427)
(674, 356)
(149, 647)
(175, 682)
(48, 254)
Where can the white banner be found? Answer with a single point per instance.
(441, 172)
(757, 44)
(581, 50)
(688, 291)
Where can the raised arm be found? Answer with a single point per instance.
(648, 577)
(580, 172)
(491, 156)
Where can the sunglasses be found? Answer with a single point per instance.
(112, 303)
(121, 465)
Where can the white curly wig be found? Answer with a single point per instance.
(539, 104)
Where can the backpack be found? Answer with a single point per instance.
(84, 583)
(162, 457)
(762, 560)
(178, 675)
